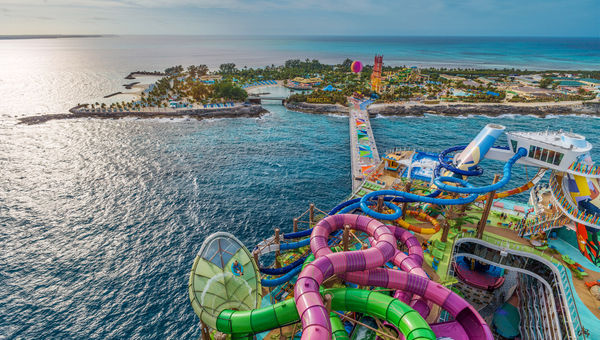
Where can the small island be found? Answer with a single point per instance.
(314, 87)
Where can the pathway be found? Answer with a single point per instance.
(363, 150)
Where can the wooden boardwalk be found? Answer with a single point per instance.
(359, 120)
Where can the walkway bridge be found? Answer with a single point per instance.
(363, 149)
(259, 99)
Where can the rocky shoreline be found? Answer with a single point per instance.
(252, 111)
(539, 109)
(456, 109)
(335, 109)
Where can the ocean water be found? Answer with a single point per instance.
(100, 220)
(52, 75)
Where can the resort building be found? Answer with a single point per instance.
(300, 83)
(210, 79)
(530, 92)
(452, 78)
(529, 80)
(485, 80)
(470, 82)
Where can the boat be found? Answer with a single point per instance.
(417, 251)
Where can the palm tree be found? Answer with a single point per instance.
(192, 71)
(454, 218)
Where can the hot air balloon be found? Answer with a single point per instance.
(356, 66)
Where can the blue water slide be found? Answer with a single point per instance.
(298, 234)
(295, 245)
(392, 196)
(283, 270)
(282, 279)
(476, 171)
(439, 181)
(441, 201)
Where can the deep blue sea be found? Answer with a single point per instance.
(100, 220)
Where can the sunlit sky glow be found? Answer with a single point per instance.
(307, 17)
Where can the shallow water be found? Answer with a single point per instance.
(100, 220)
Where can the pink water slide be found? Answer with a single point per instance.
(364, 268)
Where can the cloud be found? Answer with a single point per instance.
(343, 17)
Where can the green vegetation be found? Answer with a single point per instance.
(545, 82)
(321, 97)
(196, 84)
(226, 89)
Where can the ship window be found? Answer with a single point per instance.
(531, 151)
(544, 155)
(558, 158)
(514, 145)
(538, 153)
(551, 155)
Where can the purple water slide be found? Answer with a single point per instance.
(361, 267)
(410, 263)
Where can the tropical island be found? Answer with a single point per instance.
(314, 87)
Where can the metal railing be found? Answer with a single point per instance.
(560, 275)
(584, 169)
(567, 206)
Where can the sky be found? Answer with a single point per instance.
(303, 17)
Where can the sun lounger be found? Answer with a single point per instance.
(440, 245)
(438, 254)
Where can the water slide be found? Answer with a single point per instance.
(420, 215)
(535, 180)
(470, 157)
(243, 324)
(441, 183)
(478, 171)
(362, 268)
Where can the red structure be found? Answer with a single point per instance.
(376, 75)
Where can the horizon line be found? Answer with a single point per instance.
(67, 35)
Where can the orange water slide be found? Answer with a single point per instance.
(518, 190)
(422, 217)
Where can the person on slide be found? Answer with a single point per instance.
(237, 268)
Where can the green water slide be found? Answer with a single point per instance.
(338, 331)
(407, 320)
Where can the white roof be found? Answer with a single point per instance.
(565, 140)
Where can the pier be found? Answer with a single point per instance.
(363, 149)
(259, 99)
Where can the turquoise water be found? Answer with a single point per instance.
(100, 220)
(52, 75)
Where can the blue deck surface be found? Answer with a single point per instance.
(588, 319)
(565, 248)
